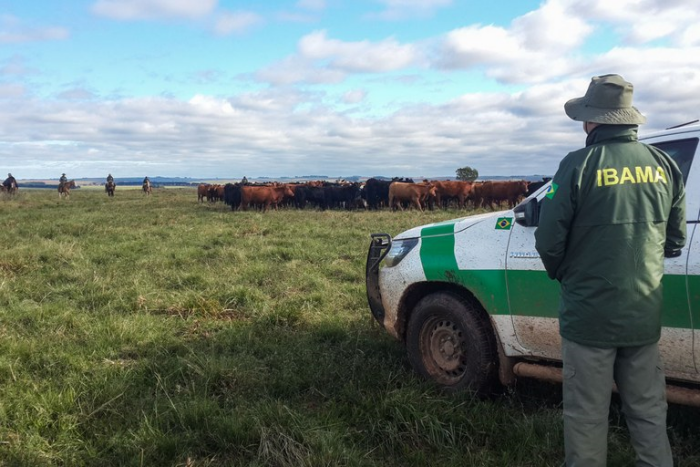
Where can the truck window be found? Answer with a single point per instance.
(682, 152)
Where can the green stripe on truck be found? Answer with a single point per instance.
(437, 255)
(539, 296)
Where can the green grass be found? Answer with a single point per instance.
(158, 331)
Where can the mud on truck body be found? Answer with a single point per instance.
(470, 299)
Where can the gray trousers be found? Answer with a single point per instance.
(589, 373)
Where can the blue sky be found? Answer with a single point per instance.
(223, 88)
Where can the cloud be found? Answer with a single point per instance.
(323, 60)
(236, 22)
(690, 36)
(295, 69)
(402, 9)
(538, 46)
(14, 31)
(207, 76)
(285, 132)
(153, 9)
(355, 96)
(549, 43)
(642, 21)
(500, 54)
(357, 57)
(552, 27)
(11, 91)
(76, 93)
(15, 66)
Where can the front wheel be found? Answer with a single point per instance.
(450, 343)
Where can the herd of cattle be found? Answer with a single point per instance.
(373, 194)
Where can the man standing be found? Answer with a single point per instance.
(614, 209)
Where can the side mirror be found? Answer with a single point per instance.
(527, 213)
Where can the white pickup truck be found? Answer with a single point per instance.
(473, 305)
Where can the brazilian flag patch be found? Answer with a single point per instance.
(504, 223)
(551, 191)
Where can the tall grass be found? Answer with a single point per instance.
(158, 331)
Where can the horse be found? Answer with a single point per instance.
(146, 187)
(64, 189)
(109, 188)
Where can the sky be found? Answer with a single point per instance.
(419, 88)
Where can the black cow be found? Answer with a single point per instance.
(232, 195)
(376, 192)
(534, 186)
(310, 195)
(343, 196)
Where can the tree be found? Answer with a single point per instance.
(467, 174)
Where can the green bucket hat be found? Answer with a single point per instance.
(608, 100)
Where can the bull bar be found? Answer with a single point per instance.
(378, 249)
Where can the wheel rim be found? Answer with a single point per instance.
(444, 350)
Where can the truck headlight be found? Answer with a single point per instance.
(399, 250)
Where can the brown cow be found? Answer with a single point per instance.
(215, 192)
(202, 191)
(456, 189)
(495, 193)
(264, 195)
(416, 194)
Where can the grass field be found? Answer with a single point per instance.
(156, 331)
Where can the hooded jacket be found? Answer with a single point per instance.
(612, 210)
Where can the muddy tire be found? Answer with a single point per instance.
(450, 343)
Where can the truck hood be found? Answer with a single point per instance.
(459, 224)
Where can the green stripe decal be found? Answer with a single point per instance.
(437, 255)
(437, 251)
(676, 313)
(534, 294)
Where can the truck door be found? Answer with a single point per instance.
(533, 298)
(681, 315)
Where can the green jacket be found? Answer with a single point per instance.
(613, 208)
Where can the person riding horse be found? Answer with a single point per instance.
(146, 186)
(110, 185)
(62, 181)
(10, 183)
(64, 187)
